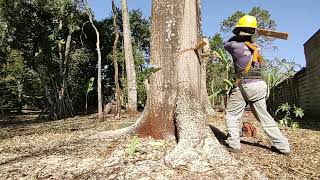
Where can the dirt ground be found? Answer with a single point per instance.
(33, 149)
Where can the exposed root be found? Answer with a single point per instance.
(116, 134)
(199, 156)
(210, 156)
(198, 150)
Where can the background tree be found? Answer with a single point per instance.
(88, 12)
(44, 37)
(115, 63)
(204, 92)
(140, 44)
(228, 80)
(14, 76)
(30, 37)
(19, 84)
(81, 70)
(263, 18)
(88, 89)
(219, 70)
(130, 68)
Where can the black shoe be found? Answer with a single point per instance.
(233, 150)
(274, 149)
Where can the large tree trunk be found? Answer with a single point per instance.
(130, 69)
(194, 136)
(174, 107)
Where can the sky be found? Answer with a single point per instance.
(299, 18)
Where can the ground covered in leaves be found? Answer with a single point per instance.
(34, 149)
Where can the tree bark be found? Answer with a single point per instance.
(158, 120)
(130, 68)
(174, 107)
(99, 60)
(115, 63)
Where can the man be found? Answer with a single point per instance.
(250, 88)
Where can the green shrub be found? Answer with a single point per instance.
(289, 115)
(133, 147)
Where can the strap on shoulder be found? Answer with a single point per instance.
(256, 57)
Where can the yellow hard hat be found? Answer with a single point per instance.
(247, 21)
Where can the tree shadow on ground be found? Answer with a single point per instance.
(19, 119)
(16, 120)
(24, 125)
(218, 134)
(256, 144)
(68, 148)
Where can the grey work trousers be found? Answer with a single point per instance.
(256, 93)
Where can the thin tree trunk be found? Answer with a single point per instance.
(66, 54)
(60, 51)
(46, 89)
(86, 103)
(99, 60)
(19, 88)
(115, 63)
(130, 68)
(65, 73)
(213, 94)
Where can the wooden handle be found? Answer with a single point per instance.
(270, 33)
(200, 45)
